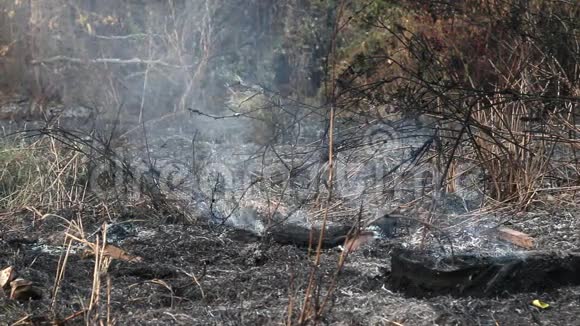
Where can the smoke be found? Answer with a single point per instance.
(151, 57)
(196, 89)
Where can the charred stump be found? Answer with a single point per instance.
(423, 274)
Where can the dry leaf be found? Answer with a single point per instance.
(6, 276)
(23, 290)
(113, 252)
(89, 29)
(4, 50)
(118, 253)
(540, 304)
(517, 238)
(357, 242)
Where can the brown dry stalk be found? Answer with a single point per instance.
(312, 279)
(306, 312)
(62, 260)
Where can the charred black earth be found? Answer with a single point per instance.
(203, 275)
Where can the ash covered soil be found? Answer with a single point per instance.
(206, 275)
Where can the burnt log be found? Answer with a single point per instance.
(425, 274)
(290, 234)
(334, 234)
(296, 235)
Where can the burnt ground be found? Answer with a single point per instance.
(246, 282)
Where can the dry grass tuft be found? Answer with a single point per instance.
(42, 175)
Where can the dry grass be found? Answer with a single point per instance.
(45, 175)
(42, 175)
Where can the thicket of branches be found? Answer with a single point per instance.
(498, 81)
(495, 81)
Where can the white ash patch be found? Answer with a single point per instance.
(146, 234)
(264, 209)
(466, 235)
(57, 250)
(246, 218)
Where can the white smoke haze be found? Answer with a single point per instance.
(208, 141)
(206, 109)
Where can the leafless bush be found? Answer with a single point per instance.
(502, 95)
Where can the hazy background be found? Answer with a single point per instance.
(491, 85)
(156, 57)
